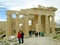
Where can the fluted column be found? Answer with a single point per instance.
(39, 23)
(49, 24)
(37, 30)
(33, 25)
(17, 23)
(46, 26)
(53, 25)
(9, 23)
(26, 26)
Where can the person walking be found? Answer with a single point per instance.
(19, 37)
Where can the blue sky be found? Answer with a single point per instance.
(20, 4)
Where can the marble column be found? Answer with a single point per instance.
(33, 25)
(39, 23)
(17, 23)
(53, 25)
(49, 24)
(37, 28)
(46, 26)
(26, 26)
(9, 23)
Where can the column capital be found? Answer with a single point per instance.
(46, 15)
(53, 16)
(39, 15)
(46, 18)
(8, 14)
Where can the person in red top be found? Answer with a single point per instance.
(19, 37)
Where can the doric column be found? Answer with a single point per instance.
(33, 25)
(49, 24)
(9, 23)
(46, 26)
(26, 26)
(39, 23)
(17, 23)
(53, 25)
(37, 28)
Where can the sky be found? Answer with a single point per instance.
(21, 4)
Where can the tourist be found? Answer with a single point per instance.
(42, 33)
(22, 37)
(36, 34)
(30, 33)
(19, 37)
(39, 33)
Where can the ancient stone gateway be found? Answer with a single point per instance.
(42, 19)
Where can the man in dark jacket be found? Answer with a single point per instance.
(22, 36)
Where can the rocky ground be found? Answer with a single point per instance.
(36, 41)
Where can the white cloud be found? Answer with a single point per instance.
(29, 3)
(15, 8)
(2, 19)
(18, 4)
